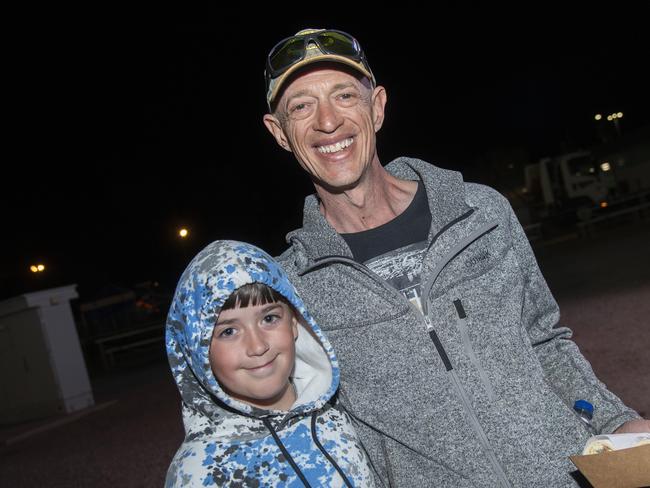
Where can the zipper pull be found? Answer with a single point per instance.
(428, 323)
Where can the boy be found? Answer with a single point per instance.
(257, 378)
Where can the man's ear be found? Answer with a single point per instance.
(275, 128)
(379, 99)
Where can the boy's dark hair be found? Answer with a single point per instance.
(254, 294)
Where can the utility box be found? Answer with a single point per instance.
(42, 368)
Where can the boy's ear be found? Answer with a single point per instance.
(294, 327)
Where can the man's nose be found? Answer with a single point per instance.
(256, 344)
(328, 117)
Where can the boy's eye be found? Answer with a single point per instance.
(227, 332)
(271, 318)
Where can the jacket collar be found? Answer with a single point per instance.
(445, 193)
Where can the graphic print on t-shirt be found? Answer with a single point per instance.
(401, 269)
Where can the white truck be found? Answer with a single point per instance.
(584, 183)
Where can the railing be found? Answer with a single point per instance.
(640, 211)
(118, 326)
(138, 338)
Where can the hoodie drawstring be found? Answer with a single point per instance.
(288, 457)
(327, 454)
(291, 461)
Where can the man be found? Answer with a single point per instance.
(429, 292)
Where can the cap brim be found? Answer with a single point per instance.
(277, 83)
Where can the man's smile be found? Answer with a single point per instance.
(335, 147)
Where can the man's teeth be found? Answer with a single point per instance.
(332, 148)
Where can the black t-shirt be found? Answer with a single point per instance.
(394, 250)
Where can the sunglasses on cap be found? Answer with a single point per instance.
(292, 50)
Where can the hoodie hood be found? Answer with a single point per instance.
(208, 281)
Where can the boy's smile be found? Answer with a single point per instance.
(252, 354)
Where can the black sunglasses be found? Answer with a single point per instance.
(293, 49)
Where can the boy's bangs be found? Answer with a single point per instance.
(252, 294)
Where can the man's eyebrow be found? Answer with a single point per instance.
(343, 86)
(335, 88)
(300, 93)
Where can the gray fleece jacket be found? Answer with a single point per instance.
(485, 398)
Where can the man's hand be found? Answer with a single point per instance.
(633, 426)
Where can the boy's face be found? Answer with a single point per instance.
(252, 354)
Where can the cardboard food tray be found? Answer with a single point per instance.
(624, 467)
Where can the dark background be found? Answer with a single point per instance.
(125, 125)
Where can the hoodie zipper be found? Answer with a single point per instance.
(426, 289)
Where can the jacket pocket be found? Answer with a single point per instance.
(461, 324)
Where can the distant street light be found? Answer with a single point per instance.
(183, 233)
(613, 117)
(37, 268)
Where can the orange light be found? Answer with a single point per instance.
(603, 204)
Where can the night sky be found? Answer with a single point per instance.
(129, 125)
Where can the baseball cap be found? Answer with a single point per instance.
(310, 46)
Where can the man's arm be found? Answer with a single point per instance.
(567, 371)
(633, 426)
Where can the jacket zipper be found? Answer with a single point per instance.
(471, 413)
(464, 334)
(455, 251)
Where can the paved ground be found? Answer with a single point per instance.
(602, 285)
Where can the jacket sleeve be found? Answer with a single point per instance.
(567, 371)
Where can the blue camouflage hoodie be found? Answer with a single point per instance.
(229, 442)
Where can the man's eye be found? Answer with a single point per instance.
(299, 107)
(348, 99)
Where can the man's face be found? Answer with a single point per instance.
(330, 121)
(252, 353)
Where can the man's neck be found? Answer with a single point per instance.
(377, 199)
